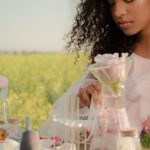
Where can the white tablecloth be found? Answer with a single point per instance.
(13, 145)
(9, 145)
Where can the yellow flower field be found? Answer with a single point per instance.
(37, 80)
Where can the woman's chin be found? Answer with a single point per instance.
(129, 32)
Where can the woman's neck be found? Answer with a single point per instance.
(142, 47)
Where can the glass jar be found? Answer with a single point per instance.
(128, 140)
(14, 128)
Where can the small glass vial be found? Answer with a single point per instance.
(2, 134)
(128, 139)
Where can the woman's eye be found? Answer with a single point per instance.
(111, 3)
(128, 1)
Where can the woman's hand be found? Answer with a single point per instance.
(92, 91)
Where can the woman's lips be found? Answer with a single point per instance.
(125, 24)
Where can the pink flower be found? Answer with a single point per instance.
(3, 82)
(110, 70)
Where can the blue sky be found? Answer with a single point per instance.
(35, 24)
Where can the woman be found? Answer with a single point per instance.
(110, 26)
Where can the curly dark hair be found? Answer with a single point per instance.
(94, 28)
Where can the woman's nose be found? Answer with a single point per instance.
(119, 10)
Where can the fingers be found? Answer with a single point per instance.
(84, 98)
(97, 86)
(96, 99)
(90, 92)
(94, 94)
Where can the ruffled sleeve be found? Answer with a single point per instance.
(62, 106)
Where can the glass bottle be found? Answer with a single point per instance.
(30, 139)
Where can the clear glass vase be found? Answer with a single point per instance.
(112, 117)
(4, 113)
(114, 112)
(112, 120)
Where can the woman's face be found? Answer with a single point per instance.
(131, 16)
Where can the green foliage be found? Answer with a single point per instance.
(145, 140)
(37, 80)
